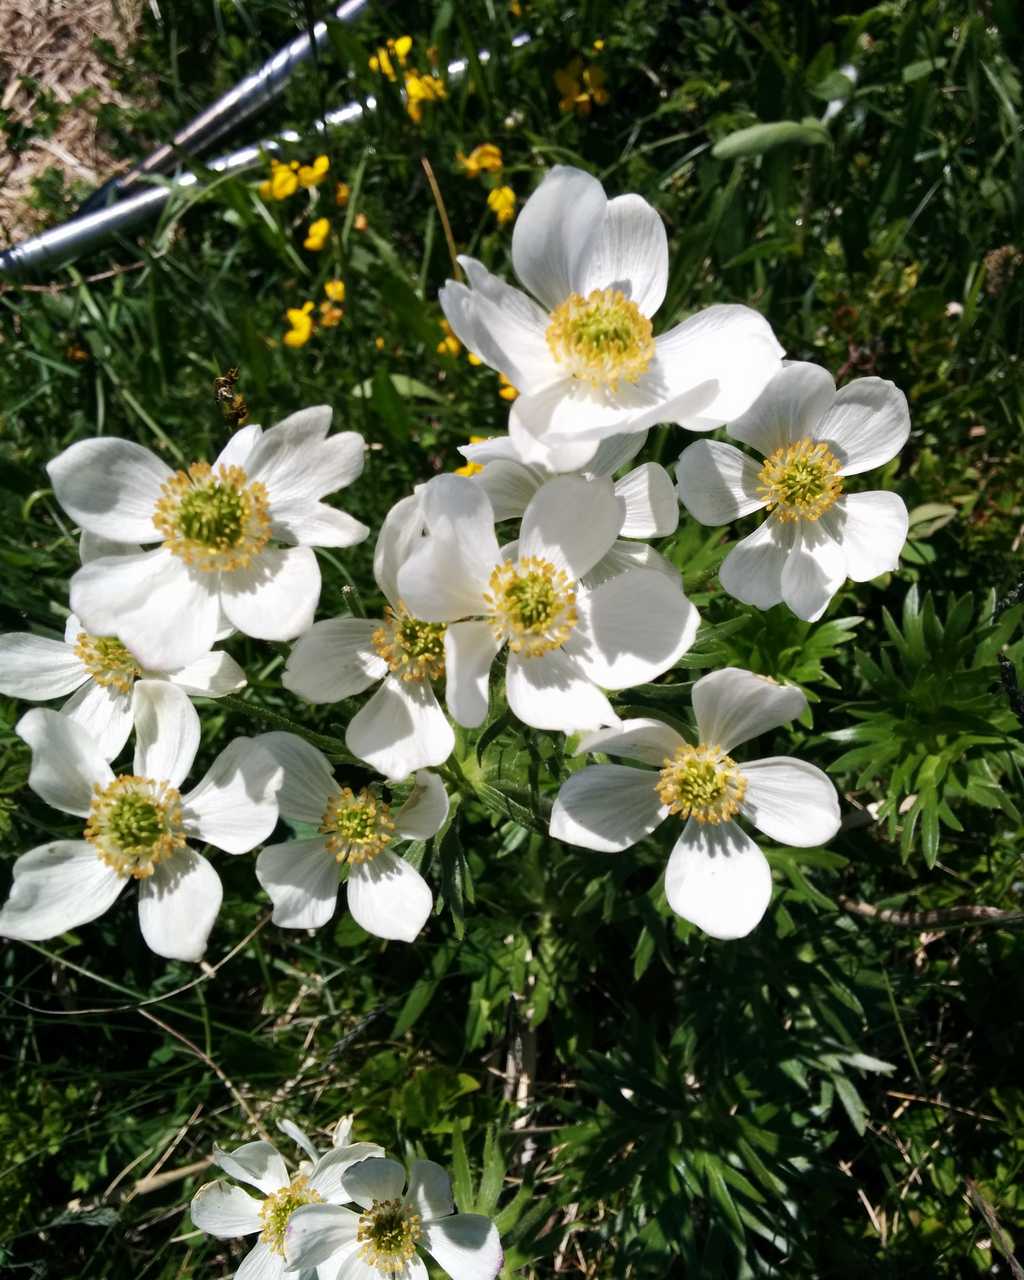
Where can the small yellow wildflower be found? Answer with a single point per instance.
(341, 194)
(581, 87)
(486, 158)
(449, 344)
(311, 175)
(401, 48)
(472, 468)
(598, 45)
(420, 89)
(473, 359)
(335, 290)
(316, 238)
(508, 391)
(330, 315)
(361, 222)
(378, 342)
(381, 62)
(282, 183)
(502, 203)
(301, 321)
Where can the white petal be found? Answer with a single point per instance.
(299, 1137)
(651, 741)
(430, 1190)
(298, 464)
(553, 233)
(326, 1178)
(259, 1164)
(334, 659)
(626, 555)
(225, 1211)
(166, 731)
(867, 425)
(104, 713)
(717, 483)
(301, 879)
(731, 344)
(632, 629)
(66, 762)
(732, 706)
(317, 524)
(445, 578)
(400, 535)
(614, 452)
(374, 1180)
(388, 897)
(718, 879)
(276, 597)
(552, 692)
(425, 810)
(211, 676)
(790, 801)
(261, 1263)
(237, 451)
(401, 729)
(469, 652)
(234, 807)
(788, 409)
(871, 528)
(466, 1246)
(572, 522)
(571, 414)
(491, 449)
(607, 807)
(178, 904)
(502, 327)
(630, 254)
(316, 1232)
(814, 571)
(110, 487)
(38, 669)
(308, 782)
(57, 887)
(510, 485)
(752, 571)
(652, 508)
(164, 612)
(528, 424)
(92, 547)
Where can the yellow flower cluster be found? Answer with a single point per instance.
(420, 88)
(487, 159)
(285, 179)
(303, 322)
(317, 235)
(381, 60)
(449, 344)
(581, 87)
(502, 203)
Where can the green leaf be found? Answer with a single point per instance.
(759, 138)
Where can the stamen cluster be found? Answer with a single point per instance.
(215, 521)
(801, 481)
(279, 1207)
(358, 825)
(414, 650)
(107, 661)
(604, 338)
(532, 605)
(388, 1232)
(701, 782)
(135, 823)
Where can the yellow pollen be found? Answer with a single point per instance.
(701, 782)
(107, 661)
(532, 605)
(603, 338)
(215, 522)
(134, 824)
(357, 825)
(414, 650)
(800, 481)
(279, 1207)
(388, 1232)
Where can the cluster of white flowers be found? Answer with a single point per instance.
(573, 595)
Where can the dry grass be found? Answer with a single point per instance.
(48, 45)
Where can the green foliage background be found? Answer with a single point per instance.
(839, 1094)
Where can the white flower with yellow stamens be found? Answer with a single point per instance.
(816, 535)
(585, 360)
(224, 1210)
(716, 877)
(396, 1222)
(401, 728)
(218, 526)
(138, 825)
(355, 833)
(566, 642)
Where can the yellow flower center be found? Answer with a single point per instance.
(800, 481)
(357, 825)
(134, 824)
(532, 605)
(215, 522)
(107, 661)
(603, 338)
(701, 782)
(388, 1232)
(279, 1207)
(414, 650)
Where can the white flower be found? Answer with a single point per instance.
(139, 824)
(716, 877)
(651, 502)
(386, 896)
(564, 640)
(385, 1239)
(224, 1210)
(585, 360)
(217, 527)
(815, 536)
(402, 727)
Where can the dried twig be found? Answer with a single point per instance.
(939, 918)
